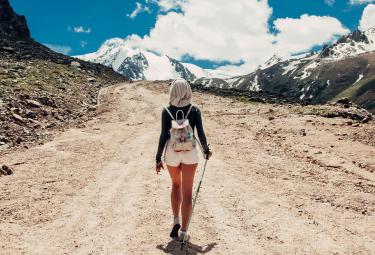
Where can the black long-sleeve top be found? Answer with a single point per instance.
(195, 120)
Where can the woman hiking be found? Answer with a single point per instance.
(181, 152)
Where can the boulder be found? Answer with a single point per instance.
(75, 64)
(343, 101)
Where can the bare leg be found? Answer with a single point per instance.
(175, 173)
(188, 172)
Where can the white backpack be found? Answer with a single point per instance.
(182, 135)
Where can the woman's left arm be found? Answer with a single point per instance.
(200, 130)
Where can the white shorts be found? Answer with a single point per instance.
(174, 158)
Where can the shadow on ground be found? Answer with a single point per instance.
(174, 247)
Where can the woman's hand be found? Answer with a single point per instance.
(158, 167)
(207, 154)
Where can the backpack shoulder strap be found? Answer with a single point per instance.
(170, 114)
(187, 114)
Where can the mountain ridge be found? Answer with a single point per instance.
(318, 77)
(137, 64)
(12, 25)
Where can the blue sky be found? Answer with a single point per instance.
(81, 26)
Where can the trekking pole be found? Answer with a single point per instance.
(194, 201)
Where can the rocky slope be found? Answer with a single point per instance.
(41, 90)
(12, 25)
(344, 69)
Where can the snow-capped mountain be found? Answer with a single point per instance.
(350, 45)
(343, 69)
(138, 64)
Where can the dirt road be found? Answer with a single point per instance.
(294, 184)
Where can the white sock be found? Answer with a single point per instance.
(176, 221)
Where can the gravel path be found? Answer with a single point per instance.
(290, 184)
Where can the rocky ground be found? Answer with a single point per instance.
(343, 107)
(283, 180)
(41, 91)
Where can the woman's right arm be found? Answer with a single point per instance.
(163, 135)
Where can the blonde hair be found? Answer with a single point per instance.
(180, 93)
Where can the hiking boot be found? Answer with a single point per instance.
(174, 232)
(184, 237)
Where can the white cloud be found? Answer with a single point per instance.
(228, 31)
(138, 9)
(330, 2)
(235, 31)
(63, 49)
(297, 35)
(80, 29)
(368, 17)
(167, 5)
(358, 2)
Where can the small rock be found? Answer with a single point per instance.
(349, 123)
(344, 101)
(91, 108)
(59, 117)
(50, 125)
(17, 117)
(271, 118)
(91, 79)
(18, 140)
(6, 170)
(366, 119)
(75, 64)
(8, 49)
(47, 101)
(33, 103)
(3, 138)
(30, 114)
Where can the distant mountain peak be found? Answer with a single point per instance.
(352, 44)
(12, 25)
(138, 63)
(275, 59)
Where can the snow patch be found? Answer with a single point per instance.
(307, 71)
(197, 71)
(159, 67)
(291, 67)
(254, 85)
(359, 78)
